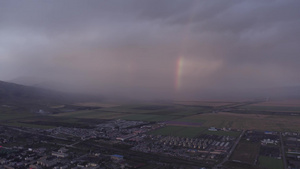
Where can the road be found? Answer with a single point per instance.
(36, 133)
(141, 156)
(134, 155)
(283, 152)
(231, 150)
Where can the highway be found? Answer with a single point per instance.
(283, 152)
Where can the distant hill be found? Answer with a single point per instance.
(41, 83)
(28, 81)
(15, 94)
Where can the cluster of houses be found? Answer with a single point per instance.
(19, 157)
(38, 158)
(114, 130)
(204, 142)
(292, 144)
(74, 132)
(200, 148)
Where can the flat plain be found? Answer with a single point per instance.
(269, 162)
(204, 103)
(179, 131)
(247, 121)
(283, 106)
(197, 114)
(246, 152)
(176, 114)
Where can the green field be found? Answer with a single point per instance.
(135, 112)
(246, 152)
(11, 117)
(144, 108)
(184, 131)
(12, 114)
(180, 131)
(18, 124)
(222, 133)
(246, 121)
(148, 117)
(92, 114)
(174, 112)
(270, 163)
(219, 120)
(100, 114)
(273, 108)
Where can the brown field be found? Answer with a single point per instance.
(281, 103)
(247, 121)
(203, 103)
(98, 104)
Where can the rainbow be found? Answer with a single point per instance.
(179, 71)
(184, 45)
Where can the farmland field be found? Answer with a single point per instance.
(292, 106)
(147, 117)
(222, 133)
(96, 104)
(11, 113)
(179, 131)
(18, 124)
(273, 108)
(185, 131)
(204, 103)
(193, 115)
(98, 114)
(281, 103)
(246, 121)
(246, 152)
(136, 112)
(270, 163)
(144, 108)
(12, 116)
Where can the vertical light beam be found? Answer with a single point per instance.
(184, 45)
(179, 71)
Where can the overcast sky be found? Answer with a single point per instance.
(151, 48)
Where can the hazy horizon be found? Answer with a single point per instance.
(171, 49)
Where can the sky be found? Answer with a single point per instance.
(151, 49)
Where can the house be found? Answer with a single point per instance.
(117, 158)
(212, 129)
(61, 153)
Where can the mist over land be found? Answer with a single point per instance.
(135, 49)
(150, 84)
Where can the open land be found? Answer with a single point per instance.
(269, 162)
(192, 132)
(174, 114)
(282, 103)
(185, 131)
(193, 115)
(179, 131)
(246, 121)
(282, 107)
(204, 103)
(246, 152)
(97, 104)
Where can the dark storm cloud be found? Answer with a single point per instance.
(124, 47)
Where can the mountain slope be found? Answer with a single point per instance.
(15, 94)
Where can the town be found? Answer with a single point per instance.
(130, 144)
